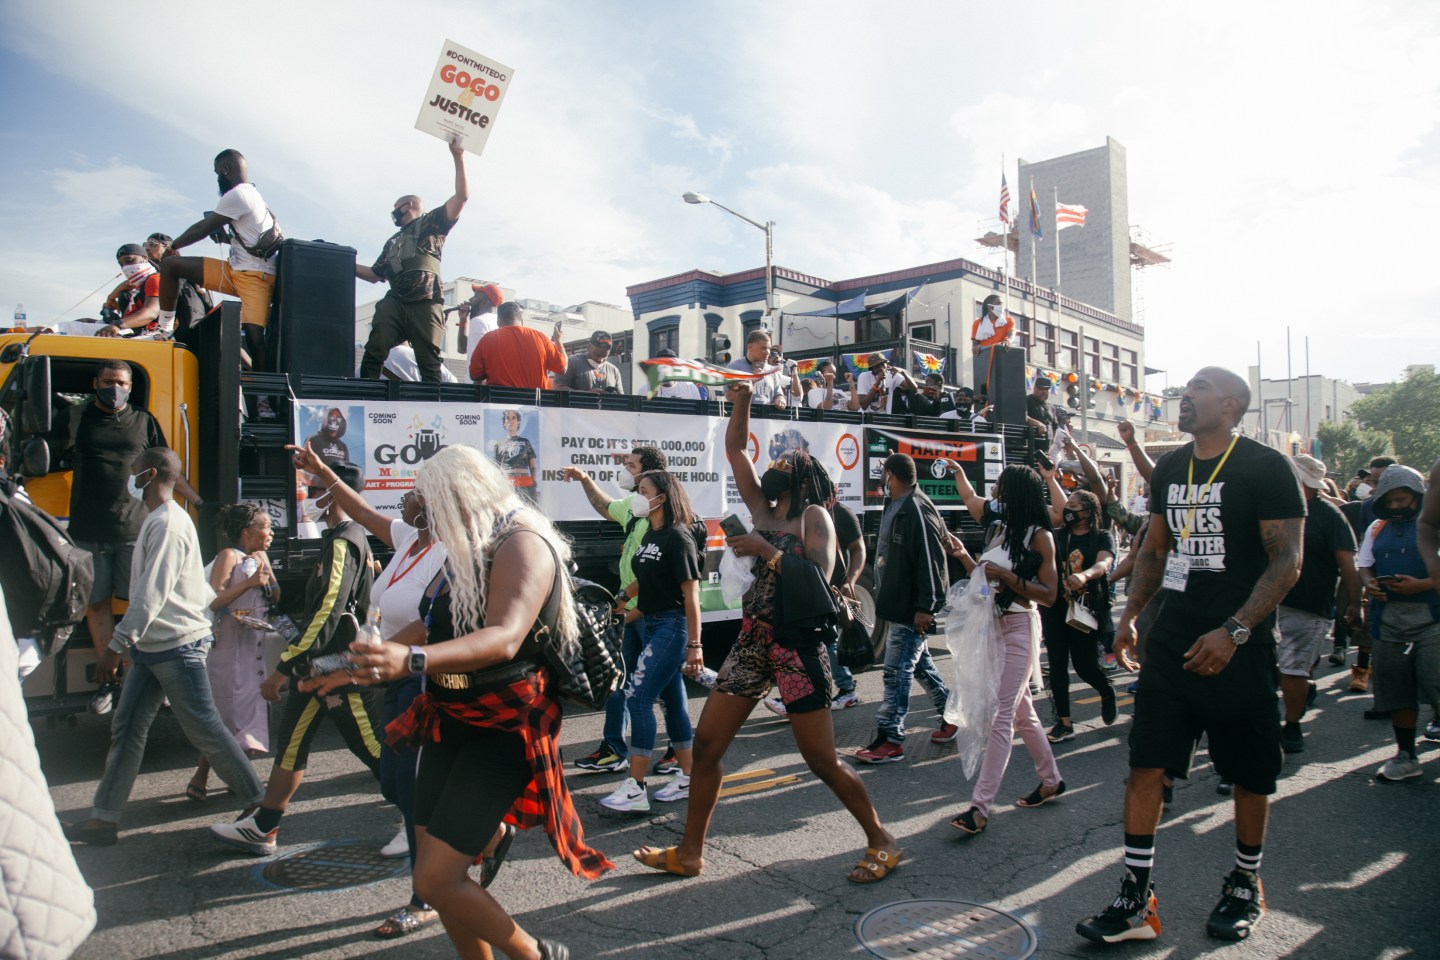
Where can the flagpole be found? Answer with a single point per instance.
(1004, 254)
(1034, 297)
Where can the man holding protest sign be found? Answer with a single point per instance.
(411, 312)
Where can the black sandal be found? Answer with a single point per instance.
(1038, 797)
(967, 822)
(492, 863)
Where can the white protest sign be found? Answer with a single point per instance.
(464, 96)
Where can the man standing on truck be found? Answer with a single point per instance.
(411, 312)
(241, 219)
(100, 440)
(514, 355)
(339, 586)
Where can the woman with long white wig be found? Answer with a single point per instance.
(488, 721)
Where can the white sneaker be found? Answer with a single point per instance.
(244, 833)
(630, 797)
(843, 700)
(398, 847)
(1402, 767)
(676, 789)
(776, 706)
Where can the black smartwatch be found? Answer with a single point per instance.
(1239, 633)
(417, 660)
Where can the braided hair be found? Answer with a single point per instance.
(809, 483)
(1021, 493)
(1090, 503)
(235, 519)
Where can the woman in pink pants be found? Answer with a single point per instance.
(1019, 559)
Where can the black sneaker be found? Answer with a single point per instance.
(602, 759)
(1060, 733)
(1291, 739)
(667, 764)
(1130, 917)
(1242, 904)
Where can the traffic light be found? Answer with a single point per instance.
(1073, 390)
(719, 348)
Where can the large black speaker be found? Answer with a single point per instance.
(313, 318)
(1000, 374)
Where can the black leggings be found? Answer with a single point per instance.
(1064, 644)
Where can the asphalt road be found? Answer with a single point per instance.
(1350, 866)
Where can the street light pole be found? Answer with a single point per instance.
(769, 227)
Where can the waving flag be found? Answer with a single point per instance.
(705, 374)
(1004, 201)
(858, 363)
(926, 364)
(1035, 230)
(807, 367)
(1069, 215)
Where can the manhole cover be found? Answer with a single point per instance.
(941, 929)
(333, 866)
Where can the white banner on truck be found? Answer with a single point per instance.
(464, 96)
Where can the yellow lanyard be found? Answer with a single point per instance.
(1190, 482)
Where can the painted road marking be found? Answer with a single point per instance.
(757, 786)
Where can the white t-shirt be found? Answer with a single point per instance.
(400, 363)
(405, 578)
(840, 400)
(1366, 557)
(248, 218)
(479, 324)
(881, 404)
(679, 390)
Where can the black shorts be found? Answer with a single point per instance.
(1237, 709)
(467, 782)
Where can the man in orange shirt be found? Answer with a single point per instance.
(514, 355)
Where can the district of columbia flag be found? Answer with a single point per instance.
(1069, 215)
(1004, 201)
(1035, 230)
(696, 371)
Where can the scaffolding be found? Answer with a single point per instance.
(1143, 253)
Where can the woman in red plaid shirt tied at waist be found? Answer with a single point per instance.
(488, 719)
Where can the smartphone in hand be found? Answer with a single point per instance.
(1044, 461)
(733, 526)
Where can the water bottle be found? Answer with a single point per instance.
(249, 566)
(370, 632)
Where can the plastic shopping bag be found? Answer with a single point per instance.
(972, 632)
(736, 575)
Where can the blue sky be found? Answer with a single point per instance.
(1287, 151)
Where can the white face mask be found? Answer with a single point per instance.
(136, 490)
(640, 505)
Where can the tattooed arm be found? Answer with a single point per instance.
(1283, 541)
(1145, 578)
(598, 498)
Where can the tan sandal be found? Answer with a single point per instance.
(878, 863)
(667, 859)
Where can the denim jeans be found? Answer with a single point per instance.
(183, 679)
(906, 658)
(844, 679)
(672, 698)
(657, 672)
(398, 764)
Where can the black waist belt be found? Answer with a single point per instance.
(485, 681)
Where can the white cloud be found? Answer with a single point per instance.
(113, 190)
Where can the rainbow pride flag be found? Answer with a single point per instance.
(926, 364)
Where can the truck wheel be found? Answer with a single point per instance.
(865, 593)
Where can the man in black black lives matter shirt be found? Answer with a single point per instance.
(1223, 549)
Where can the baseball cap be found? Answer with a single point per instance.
(492, 292)
(666, 354)
(600, 338)
(1310, 471)
(130, 250)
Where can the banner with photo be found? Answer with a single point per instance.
(981, 456)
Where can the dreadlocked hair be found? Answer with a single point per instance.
(809, 483)
(235, 519)
(1022, 505)
(471, 506)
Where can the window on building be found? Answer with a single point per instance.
(1069, 350)
(1110, 362)
(1092, 356)
(923, 331)
(1023, 327)
(1130, 367)
(1042, 349)
(668, 339)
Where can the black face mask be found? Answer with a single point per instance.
(225, 183)
(113, 397)
(1397, 513)
(398, 216)
(1072, 518)
(773, 483)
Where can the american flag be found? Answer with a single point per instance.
(1069, 215)
(1004, 201)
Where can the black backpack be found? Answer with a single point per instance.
(45, 576)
